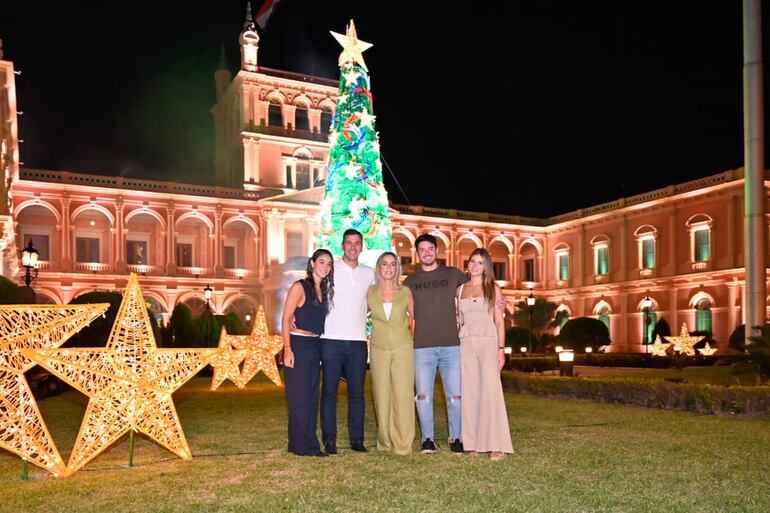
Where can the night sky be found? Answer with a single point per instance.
(537, 108)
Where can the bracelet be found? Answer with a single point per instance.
(501, 348)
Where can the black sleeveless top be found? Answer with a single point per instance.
(311, 315)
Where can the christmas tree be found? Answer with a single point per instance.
(354, 196)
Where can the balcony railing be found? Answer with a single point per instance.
(92, 267)
(194, 271)
(700, 266)
(646, 273)
(145, 269)
(239, 273)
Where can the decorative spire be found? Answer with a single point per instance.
(249, 23)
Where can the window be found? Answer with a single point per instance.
(602, 261)
(499, 269)
(529, 269)
(702, 245)
(563, 263)
(326, 121)
(294, 246)
(405, 260)
(648, 254)
(703, 316)
(302, 175)
(648, 333)
(229, 255)
(40, 243)
(136, 252)
(274, 115)
(289, 181)
(86, 249)
(184, 255)
(300, 119)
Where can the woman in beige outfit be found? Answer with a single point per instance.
(391, 357)
(482, 344)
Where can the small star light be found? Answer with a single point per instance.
(226, 362)
(707, 350)
(352, 47)
(685, 341)
(22, 429)
(261, 348)
(129, 382)
(659, 348)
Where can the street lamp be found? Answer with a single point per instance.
(531, 308)
(29, 257)
(646, 304)
(207, 314)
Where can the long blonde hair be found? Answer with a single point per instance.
(488, 275)
(377, 279)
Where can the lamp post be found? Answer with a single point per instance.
(646, 304)
(207, 314)
(530, 308)
(29, 257)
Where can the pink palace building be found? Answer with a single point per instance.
(251, 233)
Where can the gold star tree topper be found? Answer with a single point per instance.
(352, 47)
(22, 429)
(226, 362)
(261, 348)
(129, 382)
(684, 341)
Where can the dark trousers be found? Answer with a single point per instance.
(338, 356)
(302, 383)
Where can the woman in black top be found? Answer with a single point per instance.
(306, 306)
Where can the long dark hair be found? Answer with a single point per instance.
(488, 276)
(327, 284)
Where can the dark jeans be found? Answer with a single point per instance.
(338, 356)
(302, 383)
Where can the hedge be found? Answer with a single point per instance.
(696, 398)
(636, 360)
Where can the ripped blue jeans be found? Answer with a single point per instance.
(447, 361)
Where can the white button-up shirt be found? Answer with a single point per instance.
(347, 318)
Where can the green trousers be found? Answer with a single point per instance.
(393, 388)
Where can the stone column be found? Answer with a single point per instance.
(120, 231)
(623, 267)
(219, 268)
(673, 307)
(624, 320)
(66, 234)
(580, 257)
(732, 251)
(170, 239)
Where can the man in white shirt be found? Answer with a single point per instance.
(343, 345)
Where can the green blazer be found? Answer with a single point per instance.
(394, 332)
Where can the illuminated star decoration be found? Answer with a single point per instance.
(707, 350)
(129, 382)
(684, 341)
(226, 362)
(22, 429)
(261, 348)
(352, 47)
(659, 348)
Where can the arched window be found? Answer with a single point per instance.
(275, 115)
(300, 118)
(302, 173)
(326, 121)
(604, 316)
(703, 315)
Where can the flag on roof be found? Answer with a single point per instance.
(264, 13)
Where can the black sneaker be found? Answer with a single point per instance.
(428, 447)
(331, 448)
(456, 446)
(358, 447)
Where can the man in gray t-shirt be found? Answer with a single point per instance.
(436, 343)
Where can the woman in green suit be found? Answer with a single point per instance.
(391, 357)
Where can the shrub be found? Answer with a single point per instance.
(96, 333)
(707, 399)
(10, 293)
(661, 328)
(759, 352)
(517, 337)
(583, 332)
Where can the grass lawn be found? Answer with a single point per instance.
(571, 456)
(716, 375)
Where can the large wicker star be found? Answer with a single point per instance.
(659, 348)
(226, 362)
(22, 429)
(261, 349)
(129, 383)
(352, 47)
(684, 341)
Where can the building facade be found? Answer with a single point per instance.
(250, 235)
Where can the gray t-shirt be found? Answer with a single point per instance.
(435, 320)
